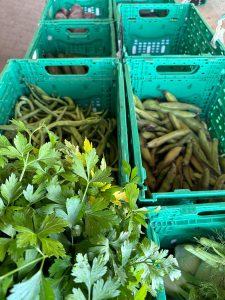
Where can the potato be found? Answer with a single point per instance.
(89, 15)
(60, 15)
(65, 11)
(76, 12)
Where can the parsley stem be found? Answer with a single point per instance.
(21, 268)
(24, 167)
(85, 192)
(42, 263)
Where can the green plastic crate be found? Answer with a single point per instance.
(173, 225)
(102, 86)
(198, 81)
(97, 41)
(101, 8)
(169, 29)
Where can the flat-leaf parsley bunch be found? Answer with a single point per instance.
(66, 232)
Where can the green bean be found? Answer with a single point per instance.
(38, 90)
(31, 114)
(51, 99)
(60, 116)
(77, 136)
(45, 109)
(101, 146)
(73, 123)
(67, 120)
(59, 133)
(73, 140)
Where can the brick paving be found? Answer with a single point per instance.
(18, 22)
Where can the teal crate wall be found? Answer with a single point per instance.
(97, 41)
(175, 29)
(203, 86)
(101, 8)
(173, 225)
(102, 86)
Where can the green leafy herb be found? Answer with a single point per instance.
(66, 232)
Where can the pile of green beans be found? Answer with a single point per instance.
(68, 121)
(177, 149)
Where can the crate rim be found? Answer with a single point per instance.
(166, 5)
(178, 194)
(81, 61)
(81, 22)
(48, 2)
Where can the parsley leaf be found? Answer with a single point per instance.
(77, 295)
(132, 193)
(102, 176)
(54, 190)
(48, 154)
(4, 244)
(87, 274)
(37, 287)
(142, 293)
(98, 221)
(78, 167)
(22, 144)
(105, 290)
(91, 160)
(4, 286)
(26, 237)
(73, 208)
(11, 189)
(59, 267)
(52, 247)
(34, 196)
(50, 225)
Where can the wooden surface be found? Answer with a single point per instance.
(19, 19)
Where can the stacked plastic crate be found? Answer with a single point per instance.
(169, 47)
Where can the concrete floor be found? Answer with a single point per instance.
(19, 20)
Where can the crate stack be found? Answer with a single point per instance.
(168, 47)
(126, 48)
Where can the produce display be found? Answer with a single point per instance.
(68, 231)
(75, 12)
(62, 116)
(202, 271)
(176, 147)
(65, 231)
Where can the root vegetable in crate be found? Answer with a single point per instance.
(75, 12)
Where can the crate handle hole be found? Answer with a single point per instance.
(77, 32)
(153, 13)
(212, 213)
(170, 69)
(67, 70)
